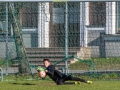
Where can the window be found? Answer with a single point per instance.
(29, 15)
(97, 14)
(73, 12)
(118, 17)
(58, 13)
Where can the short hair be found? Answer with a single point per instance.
(46, 60)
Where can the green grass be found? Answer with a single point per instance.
(18, 82)
(50, 85)
(3, 63)
(100, 82)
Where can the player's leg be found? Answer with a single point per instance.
(62, 82)
(78, 79)
(69, 77)
(81, 80)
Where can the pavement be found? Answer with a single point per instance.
(13, 70)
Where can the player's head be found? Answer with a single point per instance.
(46, 62)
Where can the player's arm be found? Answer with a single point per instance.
(50, 70)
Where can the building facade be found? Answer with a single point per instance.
(84, 24)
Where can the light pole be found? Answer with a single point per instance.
(6, 38)
(66, 36)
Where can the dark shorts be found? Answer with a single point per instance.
(61, 81)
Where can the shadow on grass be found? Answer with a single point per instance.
(23, 84)
(41, 84)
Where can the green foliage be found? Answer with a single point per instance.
(79, 66)
(16, 77)
(105, 76)
(3, 63)
(99, 64)
(25, 77)
(114, 75)
(107, 63)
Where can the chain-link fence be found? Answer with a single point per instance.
(78, 37)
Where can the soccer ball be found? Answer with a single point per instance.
(42, 74)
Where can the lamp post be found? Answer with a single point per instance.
(66, 36)
(6, 38)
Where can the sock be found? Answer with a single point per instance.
(78, 79)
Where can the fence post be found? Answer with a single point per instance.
(1, 75)
(66, 37)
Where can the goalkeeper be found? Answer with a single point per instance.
(60, 78)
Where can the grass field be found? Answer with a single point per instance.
(100, 81)
(50, 85)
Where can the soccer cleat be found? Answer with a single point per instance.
(78, 82)
(89, 82)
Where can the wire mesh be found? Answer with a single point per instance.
(93, 46)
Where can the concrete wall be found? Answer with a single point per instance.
(103, 45)
(95, 42)
(112, 45)
(11, 48)
(29, 39)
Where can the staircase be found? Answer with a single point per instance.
(54, 54)
(23, 63)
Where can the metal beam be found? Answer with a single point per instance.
(57, 0)
(66, 36)
(6, 38)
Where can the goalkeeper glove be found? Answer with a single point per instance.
(40, 69)
(46, 70)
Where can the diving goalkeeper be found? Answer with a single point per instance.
(60, 78)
